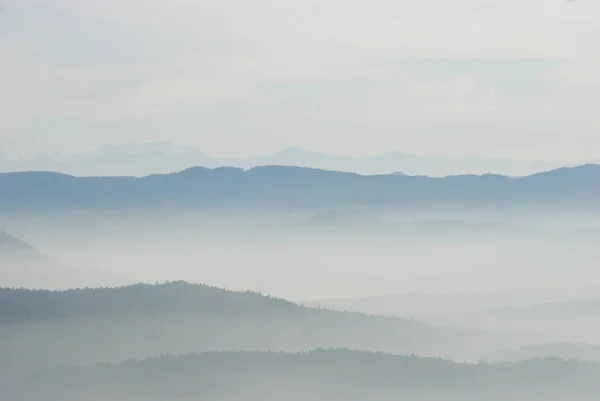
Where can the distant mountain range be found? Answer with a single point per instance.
(279, 187)
(164, 157)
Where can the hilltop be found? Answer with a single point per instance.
(139, 300)
(563, 350)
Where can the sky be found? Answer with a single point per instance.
(487, 78)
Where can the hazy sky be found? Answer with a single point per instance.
(518, 78)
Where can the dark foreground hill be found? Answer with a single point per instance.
(294, 187)
(318, 375)
(45, 329)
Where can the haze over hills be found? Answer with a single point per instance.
(571, 309)
(422, 304)
(165, 157)
(288, 188)
(569, 314)
(23, 266)
(562, 350)
(8, 243)
(573, 320)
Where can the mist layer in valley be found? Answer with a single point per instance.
(343, 253)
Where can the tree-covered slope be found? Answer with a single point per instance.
(49, 328)
(318, 375)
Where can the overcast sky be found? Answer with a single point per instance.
(516, 78)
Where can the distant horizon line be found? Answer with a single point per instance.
(57, 156)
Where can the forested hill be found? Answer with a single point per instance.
(318, 375)
(139, 300)
(45, 328)
(295, 187)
